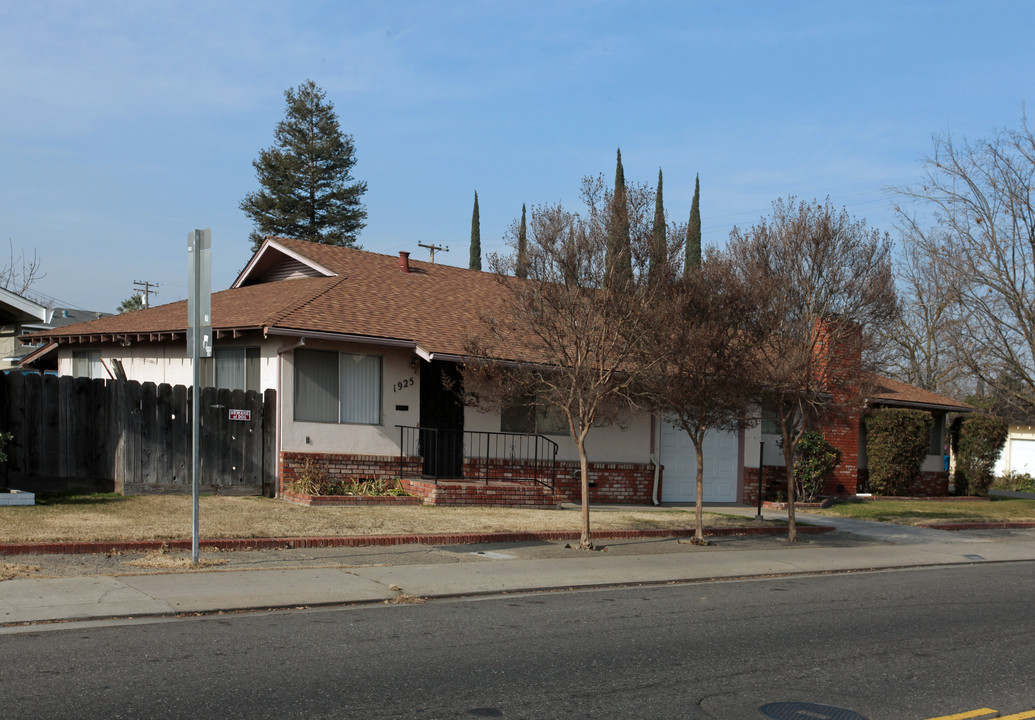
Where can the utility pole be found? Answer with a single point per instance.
(147, 287)
(433, 248)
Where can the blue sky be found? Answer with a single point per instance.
(124, 125)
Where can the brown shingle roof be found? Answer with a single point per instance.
(434, 306)
(886, 391)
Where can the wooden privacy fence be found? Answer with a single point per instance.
(133, 438)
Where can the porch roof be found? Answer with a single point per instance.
(895, 393)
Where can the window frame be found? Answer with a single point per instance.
(252, 370)
(533, 418)
(341, 359)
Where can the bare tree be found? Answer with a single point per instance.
(705, 380)
(19, 274)
(824, 282)
(976, 229)
(921, 341)
(573, 331)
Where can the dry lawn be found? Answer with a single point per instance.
(165, 517)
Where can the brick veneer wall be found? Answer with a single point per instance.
(928, 483)
(840, 366)
(775, 481)
(499, 494)
(626, 483)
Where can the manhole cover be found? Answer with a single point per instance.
(807, 711)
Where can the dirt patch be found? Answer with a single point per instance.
(9, 571)
(164, 560)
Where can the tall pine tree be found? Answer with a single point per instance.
(307, 189)
(658, 244)
(693, 229)
(476, 237)
(521, 268)
(618, 259)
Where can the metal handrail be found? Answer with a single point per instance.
(481, 455)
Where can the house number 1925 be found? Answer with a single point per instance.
(403, 384)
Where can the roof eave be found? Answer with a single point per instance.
(920, 405)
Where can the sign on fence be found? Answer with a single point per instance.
(241, 415)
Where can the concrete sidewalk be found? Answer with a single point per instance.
(493, 570)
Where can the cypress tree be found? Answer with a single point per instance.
(693, 229)
(658, 245)
(307, 189)
(521, 269)
(618, 259)
(476, 237)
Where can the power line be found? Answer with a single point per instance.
(148, 292)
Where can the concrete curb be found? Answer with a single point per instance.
(79, 548)
(978, 525)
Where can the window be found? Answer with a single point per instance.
(337, 387)
(232, 368)
(87, 364)
(533, 419)
(770, 421)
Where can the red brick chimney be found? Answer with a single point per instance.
(404, 261)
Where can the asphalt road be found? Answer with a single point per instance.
(889, 645)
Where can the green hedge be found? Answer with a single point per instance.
(977, 441)
(896, 446)
(814, 460)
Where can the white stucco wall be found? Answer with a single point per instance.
(753, 435)
(169, 363)
(400, 401)
(629, 444)
(382, 439)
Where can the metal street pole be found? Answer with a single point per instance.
(199, 344)
(761, 474)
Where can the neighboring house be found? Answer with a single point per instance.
(20, 316)
(15, 312)
(363, 350)
(1018, 454)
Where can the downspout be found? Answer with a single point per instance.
(654, 459)
(278, 433)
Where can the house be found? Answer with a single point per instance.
(1018, 455)
(363, 349)
(20, 315)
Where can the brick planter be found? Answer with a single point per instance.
(349, 500)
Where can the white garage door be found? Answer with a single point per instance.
(720, 466)
(1022, 456)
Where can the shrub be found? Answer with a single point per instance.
(1015, 481)
(896, 445)
(977, 441)
(814, 460)
(313, 479)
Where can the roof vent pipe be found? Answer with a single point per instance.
(404, 261)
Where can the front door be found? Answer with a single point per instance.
(442, 419)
